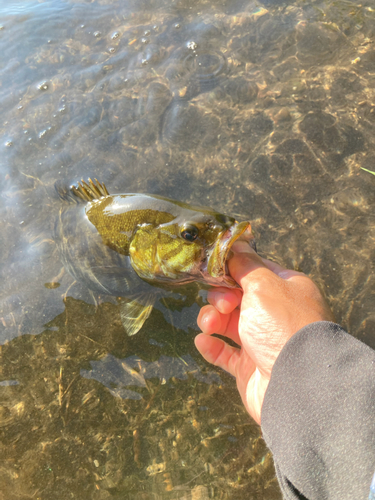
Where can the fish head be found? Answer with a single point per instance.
(194, 246)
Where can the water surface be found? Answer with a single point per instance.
(264, 111)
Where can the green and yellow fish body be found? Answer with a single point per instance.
(121, 244)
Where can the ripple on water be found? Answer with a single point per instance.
(187, 126)
(206, 66)
(267, 113)
(200, 71)
(319, 43)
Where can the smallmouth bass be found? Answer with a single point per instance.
(125, 245)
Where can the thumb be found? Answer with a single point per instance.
(243, 262)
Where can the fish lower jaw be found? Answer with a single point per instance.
(221, 279)
(217, 266)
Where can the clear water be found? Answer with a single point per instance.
(265, 111)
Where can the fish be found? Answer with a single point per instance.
(140, 246)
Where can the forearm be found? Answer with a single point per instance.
(318, 415)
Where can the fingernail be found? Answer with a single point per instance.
(204, 320)
(215, 296)
(241, 246)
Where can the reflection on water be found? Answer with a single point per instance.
(117, 374)
(261, 110)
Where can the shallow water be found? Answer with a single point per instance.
(264, 111)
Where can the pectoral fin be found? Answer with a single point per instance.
(135, 312)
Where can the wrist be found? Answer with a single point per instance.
(255, 392)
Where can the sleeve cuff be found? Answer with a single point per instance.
(318, 412)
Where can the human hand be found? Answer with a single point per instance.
(272, 306)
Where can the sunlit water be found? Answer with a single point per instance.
(265, 111)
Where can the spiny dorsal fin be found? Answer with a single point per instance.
(91, 191)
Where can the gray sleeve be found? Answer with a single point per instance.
(318, 415)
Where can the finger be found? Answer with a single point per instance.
(280, 270)
(210, 321)
(244, 261)
(225, 299)
(217, 352)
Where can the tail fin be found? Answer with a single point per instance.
(93, 190)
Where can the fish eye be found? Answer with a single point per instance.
(189, 233)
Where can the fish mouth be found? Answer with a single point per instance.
(217, 262)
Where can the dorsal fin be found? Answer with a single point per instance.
(83, 192)
(90, 191)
